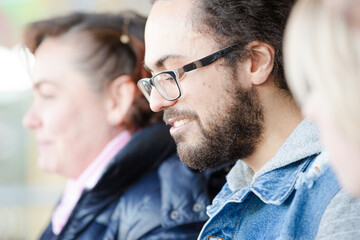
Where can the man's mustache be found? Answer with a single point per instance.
(179, 114)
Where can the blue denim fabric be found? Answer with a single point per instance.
(271, 207)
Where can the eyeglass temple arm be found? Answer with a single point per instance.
(205, 61)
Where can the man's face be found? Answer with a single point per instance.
(218, 119)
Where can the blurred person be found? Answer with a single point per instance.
(217, 73)
(347, 8)
(94, 127)
(323, 57)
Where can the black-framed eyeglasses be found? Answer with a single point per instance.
(167, 82)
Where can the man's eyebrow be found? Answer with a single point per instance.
(161, 62)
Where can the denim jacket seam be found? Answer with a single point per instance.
(223, 200)
(237, 224)
(319, 214)
(201, 234)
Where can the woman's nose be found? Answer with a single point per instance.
(31, 120)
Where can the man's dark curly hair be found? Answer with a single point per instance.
(244, 21)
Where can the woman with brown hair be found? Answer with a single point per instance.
(94, 127)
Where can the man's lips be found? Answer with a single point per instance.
(178, 124)
(181, 122)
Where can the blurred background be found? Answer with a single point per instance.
(28, 196)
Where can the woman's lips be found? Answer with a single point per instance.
(44, 143)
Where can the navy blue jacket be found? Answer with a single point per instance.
(145, 193)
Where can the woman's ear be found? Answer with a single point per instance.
(261, 61)
(121, 94)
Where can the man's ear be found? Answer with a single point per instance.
(260, 61)
(121, 95)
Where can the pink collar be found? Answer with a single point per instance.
(87, 180)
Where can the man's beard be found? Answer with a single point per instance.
(230, 135)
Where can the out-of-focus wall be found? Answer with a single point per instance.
(27, 195)
(15, 14)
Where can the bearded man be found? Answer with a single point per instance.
(217, 73)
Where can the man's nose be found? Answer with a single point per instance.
(158, 103)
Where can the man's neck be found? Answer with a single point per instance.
(281, 116)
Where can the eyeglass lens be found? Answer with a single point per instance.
(166, 85)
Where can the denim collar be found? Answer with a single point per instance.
(275, 181)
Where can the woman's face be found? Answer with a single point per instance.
(349, 8)
(69, 118)
(344, 154)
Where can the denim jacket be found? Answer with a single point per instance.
(286, 199)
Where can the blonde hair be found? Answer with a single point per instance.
(322, 54)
